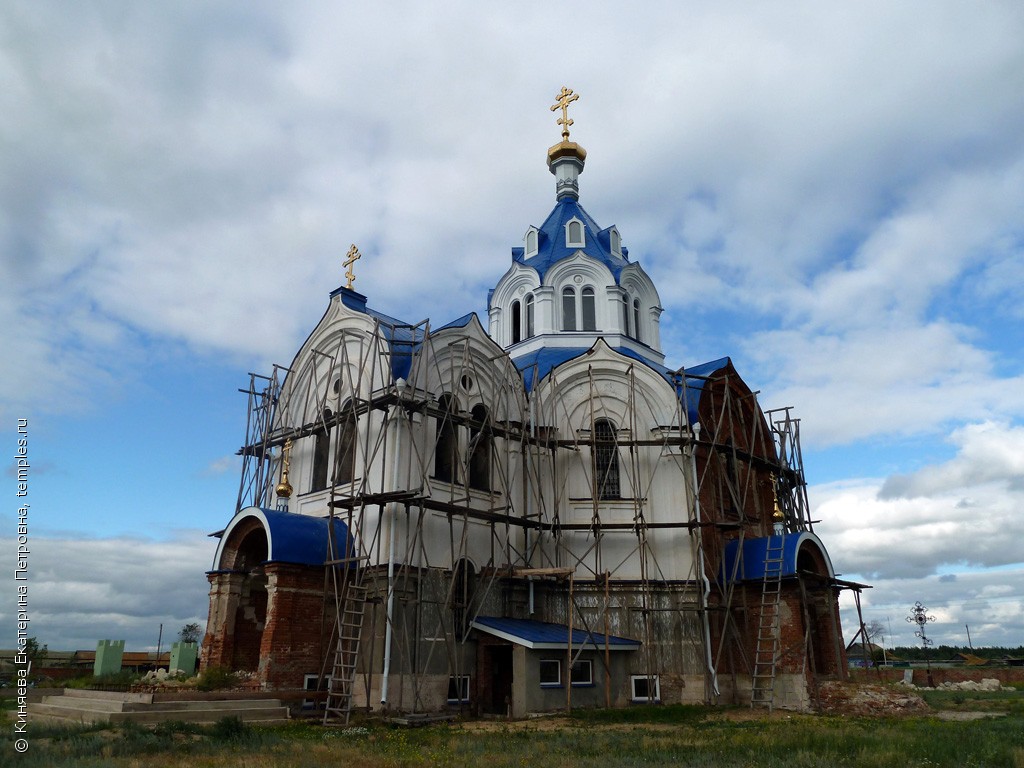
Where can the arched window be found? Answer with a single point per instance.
(345, 459)
(517, 319)
(531, 242)
(480, 450)
(589, 310)
(446, 445)
(606, 461)
(616, 242)
(568, 309)
(636, 319)
(321, 451)
(528, 331)
(574, 234)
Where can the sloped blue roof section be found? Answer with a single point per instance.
(403, 338)
(748, 560)
(460, 322)
(690, 386)
(542, 635)
(535, 366)
(551, 247)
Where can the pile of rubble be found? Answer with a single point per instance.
(842, 698)
(986, 684)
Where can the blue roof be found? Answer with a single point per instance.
(292, 538)
(545, 636)
(751, 563)
(551, 247)
(536, 365)
(403, 338)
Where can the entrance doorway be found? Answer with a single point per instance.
(499, 702)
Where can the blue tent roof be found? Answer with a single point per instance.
(541, 635)
(291, 538)
(752, 555)
(551, 247)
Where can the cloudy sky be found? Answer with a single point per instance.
(831, 194)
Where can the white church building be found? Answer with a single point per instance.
(524, 515)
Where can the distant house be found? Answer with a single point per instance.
(860, 655)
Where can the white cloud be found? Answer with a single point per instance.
(84, 590)
(948, 535)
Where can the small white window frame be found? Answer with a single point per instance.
(531, 241)
(615, 240)
(461, 684)
(557, 682)
(646, 679)
(311, 678)
(578, 666)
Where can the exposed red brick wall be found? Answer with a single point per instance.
(297, 632)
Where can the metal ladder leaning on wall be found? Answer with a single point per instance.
(766, 657)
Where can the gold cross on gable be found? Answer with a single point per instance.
(353, 256)
(563, 100)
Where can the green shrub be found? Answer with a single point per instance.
(216, 678)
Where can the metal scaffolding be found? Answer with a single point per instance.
(372, 402)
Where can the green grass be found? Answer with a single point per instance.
(975, 701)
(640, 736)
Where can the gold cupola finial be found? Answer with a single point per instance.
(353, 256)
(562, 101)
(778, 516)
(284, 488)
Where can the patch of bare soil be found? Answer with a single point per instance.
(843, 698)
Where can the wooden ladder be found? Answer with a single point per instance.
(766, 657)
(348, 630)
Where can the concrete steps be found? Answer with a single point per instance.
(74, 706)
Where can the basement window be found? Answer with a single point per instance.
(458, 689)
(309, 683)
(550, 673)
(646, 688)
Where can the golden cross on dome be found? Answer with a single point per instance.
(563, 100)
(353, 256)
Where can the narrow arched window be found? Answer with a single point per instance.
(574, 233)
(517, 319)
(322, 451)
(568, 309)
(616, 243)
(446, 444)
(589, 310)
(531, 242)
(345, 457)
(481, 449)
(528, 331)
(606, 461)
(636, 319)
